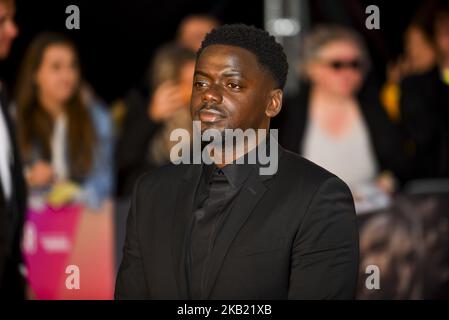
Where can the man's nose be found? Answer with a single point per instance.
(213, 95)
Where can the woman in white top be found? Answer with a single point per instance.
(62, 135)
(331, 124)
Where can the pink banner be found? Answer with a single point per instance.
(69, 252)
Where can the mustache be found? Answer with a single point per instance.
(212, 108)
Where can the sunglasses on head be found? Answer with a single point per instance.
(355, 64)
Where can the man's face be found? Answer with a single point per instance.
(231, 90)
(8, 29)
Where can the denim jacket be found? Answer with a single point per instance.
(98, 184)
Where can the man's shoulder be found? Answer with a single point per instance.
(168, 174)
(303, 177)
(300, 170)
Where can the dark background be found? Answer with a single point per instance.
(117, 38)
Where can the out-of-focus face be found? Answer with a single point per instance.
(185, 80)
(194, 30)
(442, 37)
(231, 90)
(419, 50)
(58, 75)
(8, 28)
(337, 69)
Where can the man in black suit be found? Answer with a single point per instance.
(12, 185)
(224, 231)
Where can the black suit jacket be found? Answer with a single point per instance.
(12, 217)
(292, 235)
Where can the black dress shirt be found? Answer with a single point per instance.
(214, 199)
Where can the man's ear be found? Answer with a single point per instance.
(274, 104)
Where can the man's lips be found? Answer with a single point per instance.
(210, 116)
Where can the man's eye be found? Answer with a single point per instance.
(200, 84)
(234, 85)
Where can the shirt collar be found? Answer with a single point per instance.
(236, 173)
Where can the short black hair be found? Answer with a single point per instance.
(270, 54)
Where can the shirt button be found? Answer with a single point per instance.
(200, 214)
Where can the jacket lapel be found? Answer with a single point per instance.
(181, 220)
(252, 191)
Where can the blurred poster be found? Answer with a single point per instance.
(68, 251)
(408, 243)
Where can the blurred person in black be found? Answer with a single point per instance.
(12, 184)
(419, 56)
(143, 143)
(172, 75)
(146, 109)
(334, 116)
(425, 108)
(224, 231)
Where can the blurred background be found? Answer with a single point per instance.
(131, 31)
(93, 109)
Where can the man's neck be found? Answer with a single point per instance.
(229, 156)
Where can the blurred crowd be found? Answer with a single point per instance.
(382, 139)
